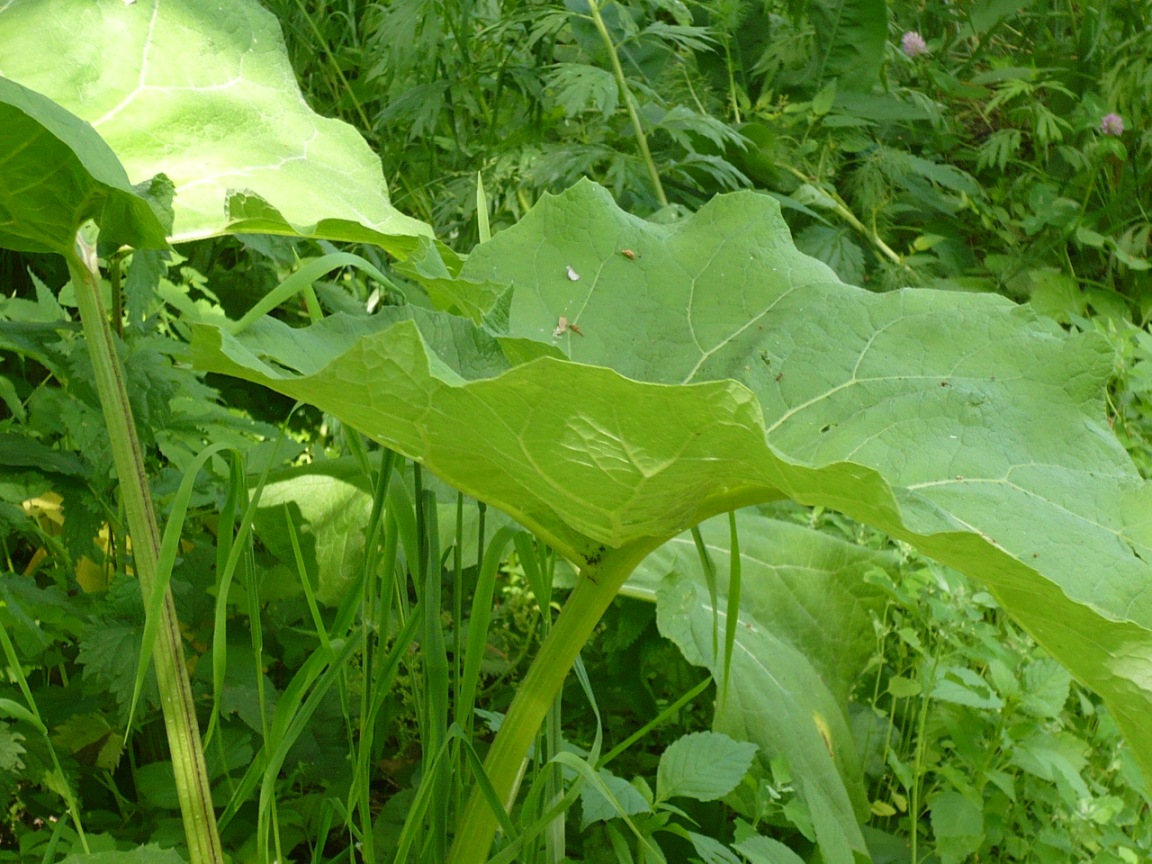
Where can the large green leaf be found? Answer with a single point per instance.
(804, 635)
(718, 367)
(784, 702)
(804, 586)
(58, 173)
(203, 93)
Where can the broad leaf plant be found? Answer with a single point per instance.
(606, 381)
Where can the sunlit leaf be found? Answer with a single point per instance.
(721, 367)
(703, 765)
(204, 94)
(58, 173)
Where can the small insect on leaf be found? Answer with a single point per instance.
(629, 254)
(572, 274)
(562, 327)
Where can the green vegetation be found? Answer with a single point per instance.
(477, 511)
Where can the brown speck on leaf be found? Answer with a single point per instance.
(629, 254)
(563, 326)
(780, 376)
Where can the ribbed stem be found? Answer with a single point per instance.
(171, 675)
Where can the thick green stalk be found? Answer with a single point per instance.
(171, 674)
(504, 766)
(629, 102)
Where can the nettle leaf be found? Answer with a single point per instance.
(109, 653)
(1046, 688)
(961, 686)
(35, 617)
(91, 739)
(958, 826)
(206, 96)
(703, 765)
(716, 366)
(596, 808)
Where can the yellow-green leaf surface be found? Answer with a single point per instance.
(57, 174)
(716, 366)
(203, 93)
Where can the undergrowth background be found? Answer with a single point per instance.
(995, 146)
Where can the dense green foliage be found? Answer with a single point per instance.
(343, 611)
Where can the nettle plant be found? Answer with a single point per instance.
(607, 382)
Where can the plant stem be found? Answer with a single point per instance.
(848, 216)
(171, 674)
(594, 592)
(629, 102)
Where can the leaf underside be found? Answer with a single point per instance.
(716, 366)
(204, 93)
(58, 174)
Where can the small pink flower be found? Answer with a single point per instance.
(913, 44)
(1112, 124)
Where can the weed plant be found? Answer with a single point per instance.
(348, 676)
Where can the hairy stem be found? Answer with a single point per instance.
(171, 674)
